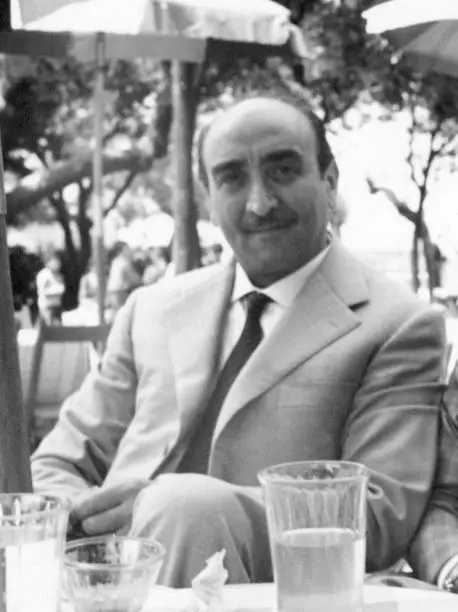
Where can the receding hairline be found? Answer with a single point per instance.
(254, 102)
(323, 150)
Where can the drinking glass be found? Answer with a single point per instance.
(111, 573)
(32, 540)
(316, 517)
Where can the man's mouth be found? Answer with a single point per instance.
(270, 227)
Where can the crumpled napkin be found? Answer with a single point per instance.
(207, 586)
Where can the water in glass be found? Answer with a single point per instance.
(319, 570)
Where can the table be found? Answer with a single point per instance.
(261, 597)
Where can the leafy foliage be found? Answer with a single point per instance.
(47, 119)
(24, 267)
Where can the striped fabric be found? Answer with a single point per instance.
(437, 540)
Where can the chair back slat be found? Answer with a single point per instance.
(58, 334)
(80, 333)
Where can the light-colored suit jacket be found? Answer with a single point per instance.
(351, 372)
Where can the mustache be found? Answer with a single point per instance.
(275, 219)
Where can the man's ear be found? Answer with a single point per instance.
(331, 178)
(331, 182)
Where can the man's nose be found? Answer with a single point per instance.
(260, 200)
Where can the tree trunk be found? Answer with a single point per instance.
(14, 449)
(415, 261)
(430, 265)
(428, 247)
(186, 251)
(70, 258)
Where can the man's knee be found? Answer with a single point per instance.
(189, 498)
(194, 516)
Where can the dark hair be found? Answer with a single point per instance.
(297, 101)
(115, 250)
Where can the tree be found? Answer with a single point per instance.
(46, 125)
(431, 102)
(352, 70)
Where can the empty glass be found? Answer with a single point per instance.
(32, 540)
(316, 515)
(111, 573)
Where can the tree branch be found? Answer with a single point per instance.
(121, 191)
(57, 202)
(401, 207)
(447, 143)
(114, 131)
(433, 152)
(41, 184)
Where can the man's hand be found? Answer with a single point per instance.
(107, 510)
(448, 576)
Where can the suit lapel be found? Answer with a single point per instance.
(195, 319)
(320, 315)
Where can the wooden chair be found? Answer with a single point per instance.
(66, 367)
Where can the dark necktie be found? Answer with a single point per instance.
(197, 456)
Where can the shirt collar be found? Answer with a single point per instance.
(284, 291)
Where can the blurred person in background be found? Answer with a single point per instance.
(50, 290)
(211, 254)
(158, 260)
(87, 293)
(123, 276)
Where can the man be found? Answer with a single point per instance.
(434, 551)
(349, 367)
(50, 290)
(123, 278)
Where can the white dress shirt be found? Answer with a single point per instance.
(282, 293)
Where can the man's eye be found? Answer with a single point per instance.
(283, 172)
(230, 178)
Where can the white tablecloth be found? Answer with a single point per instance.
(261, 597)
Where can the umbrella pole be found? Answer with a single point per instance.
(186, 250)
(98, 242)
(14, 446)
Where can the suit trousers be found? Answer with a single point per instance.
(194, 516)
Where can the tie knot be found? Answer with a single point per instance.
(256, 303)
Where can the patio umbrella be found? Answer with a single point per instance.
(425, 31)
(166, 29)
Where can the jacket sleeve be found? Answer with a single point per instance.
(436, 541)
(77, 453)
(393, 429)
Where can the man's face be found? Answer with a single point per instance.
(265, 187)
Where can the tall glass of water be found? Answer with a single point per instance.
(32, 540)
(316, 516)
